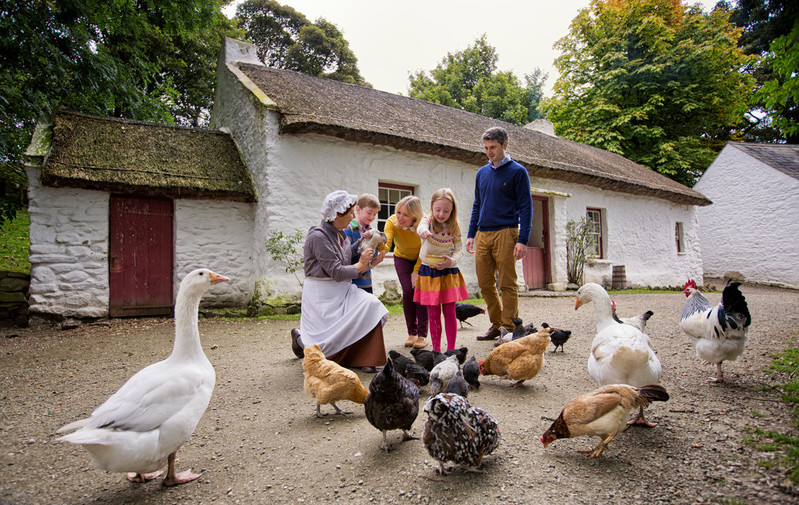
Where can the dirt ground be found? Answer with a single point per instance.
(259, 441)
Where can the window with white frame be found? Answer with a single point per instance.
(389, 195)
(679, 237)
(595, 233)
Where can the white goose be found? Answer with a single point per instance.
(620, 353)
(141, 426)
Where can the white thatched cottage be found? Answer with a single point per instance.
(752, 227)
(300, 137)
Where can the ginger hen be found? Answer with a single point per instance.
(519, 359)
(329, 382)
(601, 413)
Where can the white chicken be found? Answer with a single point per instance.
(620, 353)
(442, 373)
(719, 331)
(638, 321)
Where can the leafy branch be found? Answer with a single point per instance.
(578, 243)
(283, 249)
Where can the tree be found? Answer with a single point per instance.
(652, 80)
(147, 59)
(771, 30)
(469, 80)
(286, 39)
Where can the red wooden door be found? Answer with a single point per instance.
(140, 256)
(535, 265)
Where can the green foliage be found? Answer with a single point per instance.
(469, 80)
(787, 363)
(652, 80)
(14, 243)
(578, 241)
(283, 249)
(770, 31)
(286, 39)
(149, 60)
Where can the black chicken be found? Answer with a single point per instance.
(460, 353)
(464, 311)
(428, 359)
(471, 373)
(558, 337)
(458, 432)
(409, 368)
(392, 403)
(458, 385)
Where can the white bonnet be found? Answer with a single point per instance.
(337, 202)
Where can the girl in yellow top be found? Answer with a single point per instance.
(400, 230)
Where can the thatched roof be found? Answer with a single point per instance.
(361, 114)
(782, 157)
(127, 156)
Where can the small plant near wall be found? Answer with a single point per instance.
(283, 249)
(578, 240)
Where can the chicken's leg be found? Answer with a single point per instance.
(640, 420)
(596, 451)
(719, 376)
(143, 477)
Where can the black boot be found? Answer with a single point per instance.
(296, 346)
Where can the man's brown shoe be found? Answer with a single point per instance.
(295, 343)
(491, 334)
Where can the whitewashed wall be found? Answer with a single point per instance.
(752, 226)
(639, 235)
(217, 235)
(293, 173)
(69, 250)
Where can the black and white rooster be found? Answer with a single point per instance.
(719, 331)
(458, 432)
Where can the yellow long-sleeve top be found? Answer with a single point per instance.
(406, 242)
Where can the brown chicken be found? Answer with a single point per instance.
(519, 359)
(329, 382)
(602, 413)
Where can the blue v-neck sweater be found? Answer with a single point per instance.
(502, 200)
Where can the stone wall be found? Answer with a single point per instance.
(14, 299)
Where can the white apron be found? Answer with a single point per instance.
(335, 315)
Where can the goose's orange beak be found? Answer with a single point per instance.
(577, 304)
(216, 278)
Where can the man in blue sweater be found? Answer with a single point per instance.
(502, 205)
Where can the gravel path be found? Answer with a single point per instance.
(259, 441)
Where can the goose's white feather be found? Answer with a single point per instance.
(156, 410)
(620, 353)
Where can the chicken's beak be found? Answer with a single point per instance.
(577, 304)
(544, 442)
(216, 278)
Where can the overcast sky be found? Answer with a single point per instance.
(394, 39)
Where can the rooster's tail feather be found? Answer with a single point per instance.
(654, 393)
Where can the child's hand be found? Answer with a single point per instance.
(378, 259)
(445, 263)
(413, 279)
(367, 234)
(424, 234)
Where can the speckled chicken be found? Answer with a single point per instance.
(518, 360)
(442, 374)
(458, 432)
(329, 382)
(392, 404)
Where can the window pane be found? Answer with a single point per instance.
(389, 195)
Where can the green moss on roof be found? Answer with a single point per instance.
(127, 156)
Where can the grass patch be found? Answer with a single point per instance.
(14, 243)
(784, 446)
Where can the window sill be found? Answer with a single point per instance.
(598, 262)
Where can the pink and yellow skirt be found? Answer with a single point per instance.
(435, 287)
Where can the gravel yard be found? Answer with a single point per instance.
(259, 441)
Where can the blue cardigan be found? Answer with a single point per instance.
(502, 200)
